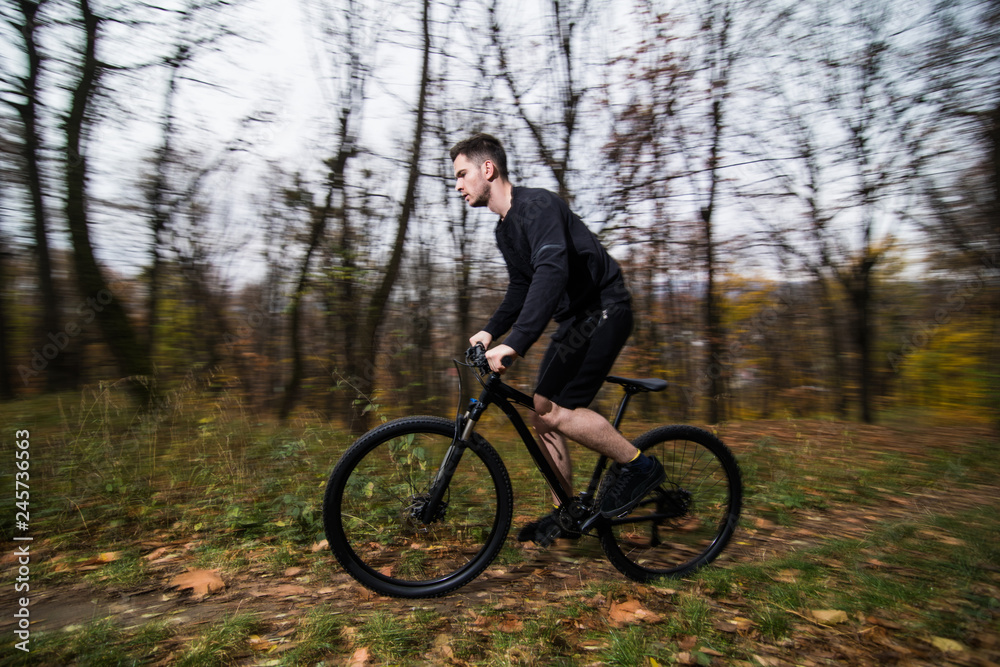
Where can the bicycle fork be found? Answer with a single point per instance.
(439, 487)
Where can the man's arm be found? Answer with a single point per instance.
(510, 308)
(545, 226)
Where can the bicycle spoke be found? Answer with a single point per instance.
(689, 518)
(376, 501)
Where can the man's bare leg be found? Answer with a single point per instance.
(556, 453)
(586, 427)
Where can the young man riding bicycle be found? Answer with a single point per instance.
(558, 270)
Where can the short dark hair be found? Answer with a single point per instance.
(482, 147)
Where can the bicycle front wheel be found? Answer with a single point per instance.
(687, 521)
(389, 529)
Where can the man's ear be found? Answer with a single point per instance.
(489, 170)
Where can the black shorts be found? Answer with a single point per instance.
(581, 355)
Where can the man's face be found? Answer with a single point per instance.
(471, 181)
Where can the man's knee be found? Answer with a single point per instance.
(547, 413)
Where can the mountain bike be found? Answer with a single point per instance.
(420, 506)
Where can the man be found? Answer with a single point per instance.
(558, 270)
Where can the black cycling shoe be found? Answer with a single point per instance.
(626, 484)
(545, 530)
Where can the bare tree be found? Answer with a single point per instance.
(199, 28)
(24, 97)
(551, 114)
(960, 166)
(6, 378)
(677, 130)
(360, 317)
(375, 311)
(124, 343)
(846, 160)
(334, 206)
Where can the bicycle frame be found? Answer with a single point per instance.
(495, 391)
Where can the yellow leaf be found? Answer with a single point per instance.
(829, 616)
(947, 645)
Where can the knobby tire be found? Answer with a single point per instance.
(687, 521)
(372, 509)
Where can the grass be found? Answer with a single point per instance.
(320, 635)
(244, 497)
(391, 638)
(222, 643)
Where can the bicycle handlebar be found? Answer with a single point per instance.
(476, 355)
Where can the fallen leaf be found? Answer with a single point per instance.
(874, 620)
(829, 616)
(630, 611)
(359, 658)
(441, 646)
(109, 556)
(293, 571)
(320, 546)
(725, 626)
(156, 553)
(201, 582)
(258, 643)
(285, 590)
(764, 524)
(509, 625)
(947, 645)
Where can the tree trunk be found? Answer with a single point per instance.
(367, 346)
(990, 262)
(121, 338)
(160, 210)
(860, 293)
(713, 312)
(831, 324)
(293, 386)
(6, 370)
(57, 376)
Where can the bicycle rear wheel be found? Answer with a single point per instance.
(374, 509)
(688, 520)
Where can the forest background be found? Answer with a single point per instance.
(208, 196)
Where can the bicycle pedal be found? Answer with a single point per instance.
(546, 538)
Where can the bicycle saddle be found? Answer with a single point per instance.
(635, 386)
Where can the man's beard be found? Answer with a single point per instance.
(481, 199)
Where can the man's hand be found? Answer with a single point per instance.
(481, 337)
(496, 356)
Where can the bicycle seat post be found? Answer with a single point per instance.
(622, 406)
